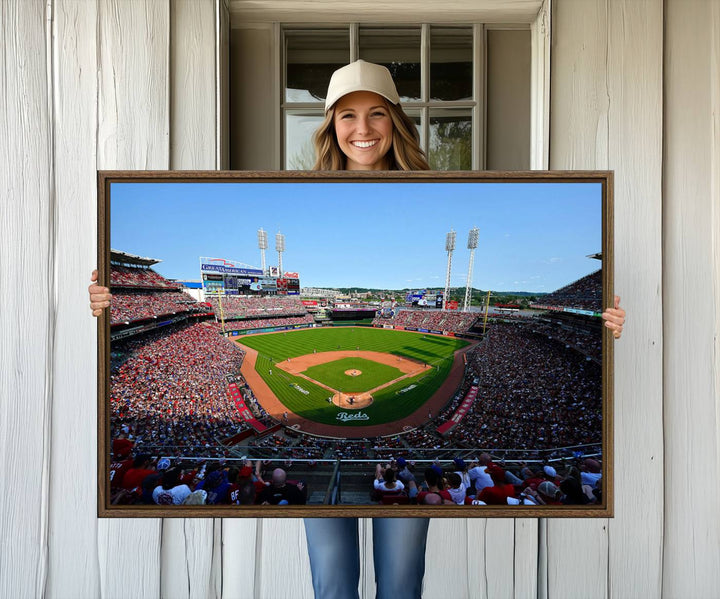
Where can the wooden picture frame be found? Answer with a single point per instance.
(535, 226)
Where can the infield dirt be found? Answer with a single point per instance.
(273, 406)
(352, 401)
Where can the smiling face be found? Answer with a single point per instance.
(364, 130)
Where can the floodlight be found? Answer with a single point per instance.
(450, 241)
(262, 239)
(473, 238)
(472, 245)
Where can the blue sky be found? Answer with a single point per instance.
(533, 236)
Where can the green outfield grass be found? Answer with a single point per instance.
(310, 401)
(333, 374)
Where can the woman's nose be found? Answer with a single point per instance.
(363, 125)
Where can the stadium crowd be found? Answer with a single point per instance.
(534, 394)
(128, 306)
(143, 479)
(588, 342)
(482, 481)
(261, 323)
(258, 306)
(128, 276)
(436, 320)
(169, 389)
(584, 294)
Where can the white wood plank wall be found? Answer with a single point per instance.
(117, 84)
(692, 303)
(27, 317)
(606, 112)
(133, 133)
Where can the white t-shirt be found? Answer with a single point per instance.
(381, 486)
(480, 478)
(174, 496)
(458, 495)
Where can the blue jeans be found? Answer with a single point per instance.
(398, 552)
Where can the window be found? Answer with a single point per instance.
(468, 88)
(436, 71)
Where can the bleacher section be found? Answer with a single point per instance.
(257, 307)
(430, 320)
(583, 294)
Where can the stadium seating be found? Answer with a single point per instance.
(130, 305)
(169, 388)
(258, 306)
(559, 402)
(259, 323)
(583, 294)
(438, 320)
(127, 276)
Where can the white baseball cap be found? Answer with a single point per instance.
(361, 76)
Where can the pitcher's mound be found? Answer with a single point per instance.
(352, 401)
(353, 372)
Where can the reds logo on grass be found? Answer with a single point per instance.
(345, 417)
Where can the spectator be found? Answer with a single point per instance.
(171, 491)
(385, 482)
(280, 492)
(141, 468)
(457, 488)
(215, 484)
(435, 494)
(500, 491)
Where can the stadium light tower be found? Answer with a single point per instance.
(280, 247)
(472, 246)
(262, 245)
(449, 248)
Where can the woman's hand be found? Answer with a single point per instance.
(615, 318)
(99, 296)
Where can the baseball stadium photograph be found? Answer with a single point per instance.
(356, 343)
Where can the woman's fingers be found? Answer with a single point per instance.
(100, 296)
(615, 318)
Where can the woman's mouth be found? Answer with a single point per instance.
(364, 144)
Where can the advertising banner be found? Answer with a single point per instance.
(243, 410)
(452, 305)
(459, 413)
(228, 270)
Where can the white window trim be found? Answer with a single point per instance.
(539, 22)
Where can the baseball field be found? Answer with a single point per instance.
(349, 376)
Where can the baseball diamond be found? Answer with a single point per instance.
(398, 376)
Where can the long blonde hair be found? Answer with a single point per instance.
(404, 155)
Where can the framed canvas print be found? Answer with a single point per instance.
(355, 344)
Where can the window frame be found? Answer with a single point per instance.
(476, 106)
(271, 13)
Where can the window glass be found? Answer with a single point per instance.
(299, 149)
(451, 63)
(310, 59)
(450, 146)
(399, 51)
(414, 114)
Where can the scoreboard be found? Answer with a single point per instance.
(228, 277)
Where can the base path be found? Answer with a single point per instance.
(272, 405)
(361, 399)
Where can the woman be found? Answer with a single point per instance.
(365, 129)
